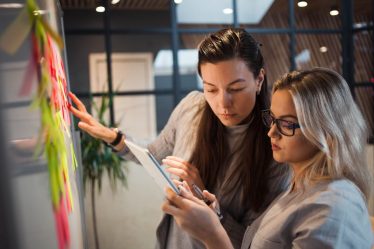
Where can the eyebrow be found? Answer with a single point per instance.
(231, 83)
(284, 116)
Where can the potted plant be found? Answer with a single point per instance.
(97, 158)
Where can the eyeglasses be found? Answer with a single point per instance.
(285, 127)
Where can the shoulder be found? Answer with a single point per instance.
(192, 103)
(193, 98)
(339, 196)
(334, 212)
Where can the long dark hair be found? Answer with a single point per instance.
(211, 150)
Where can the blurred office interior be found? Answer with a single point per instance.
(143, 54)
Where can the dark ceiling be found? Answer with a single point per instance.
(123, 4)
(360, 6)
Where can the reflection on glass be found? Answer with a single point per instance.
(263, 13)
(164, 107)
(141, 46)
(365, 99)
(205, 12)
(187, 60)
(318, 51)
(275, 49)
(363, 56)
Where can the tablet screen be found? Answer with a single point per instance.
(151, 165)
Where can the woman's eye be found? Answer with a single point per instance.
(236, 89)
(287, 125)
(210, 90)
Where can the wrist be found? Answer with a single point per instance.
(118, 139)
(111, 135)
(115, 140)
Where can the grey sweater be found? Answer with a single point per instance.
(329, 215)
(178, 138)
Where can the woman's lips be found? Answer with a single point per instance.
(275, 147)
(227, 115)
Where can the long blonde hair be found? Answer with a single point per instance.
(330, 119)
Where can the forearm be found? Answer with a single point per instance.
(219, 239)
(108, 135)
(234, 229)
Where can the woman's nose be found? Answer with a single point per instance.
(273, 132)
(226, 99)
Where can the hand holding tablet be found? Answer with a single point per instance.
(151, 165)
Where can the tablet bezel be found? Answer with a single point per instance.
(149, 162)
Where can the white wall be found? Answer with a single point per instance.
(127, 218)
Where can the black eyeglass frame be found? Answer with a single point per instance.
(291, 125)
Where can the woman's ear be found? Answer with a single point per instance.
(260, 79)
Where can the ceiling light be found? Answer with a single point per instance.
(100, 9)
(115, 1)
(334, 11)
(178, 1)
(323, 49)
(227, 11)
(11, 5)
(302, 4)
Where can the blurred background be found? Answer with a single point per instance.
(142, 53)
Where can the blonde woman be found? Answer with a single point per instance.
(317, 129)
(215, 139)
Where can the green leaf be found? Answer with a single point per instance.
(98, 158)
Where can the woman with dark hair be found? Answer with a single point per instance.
(317, 129)
(216, 139)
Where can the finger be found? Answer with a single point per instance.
(76, 112)
(175, 199)
(169, 208)
(190, 197)
(180, 163)
(188, 193)
(178, 159)
(177, 182)
(209, 196)
(173, 163)
(186, 186)
(77, 102)
(178, 172)
(184, 192)
(87, 128)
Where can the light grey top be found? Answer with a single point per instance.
(178, 138)
(329, 215)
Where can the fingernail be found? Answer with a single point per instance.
(182, 189)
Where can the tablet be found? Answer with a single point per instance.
(151, 165)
